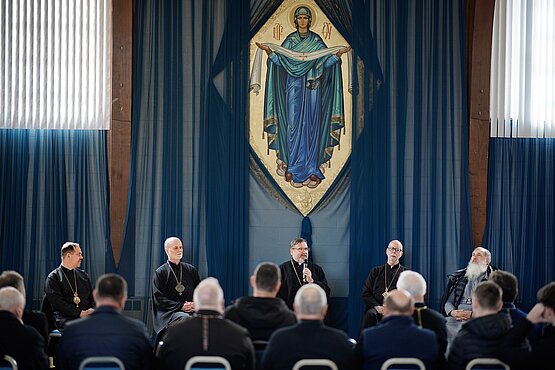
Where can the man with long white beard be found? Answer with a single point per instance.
(457, 301)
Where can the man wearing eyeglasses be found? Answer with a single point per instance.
(298, 271)
(380, 281)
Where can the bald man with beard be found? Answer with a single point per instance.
(456, 302)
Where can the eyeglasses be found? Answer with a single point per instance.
(391, 249)
(301, 249)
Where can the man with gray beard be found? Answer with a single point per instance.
(456, 303)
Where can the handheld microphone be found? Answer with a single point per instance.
(305, 265)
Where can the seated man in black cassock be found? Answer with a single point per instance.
(298, 271)
(68, 288)
(172, 287)
(379, 282)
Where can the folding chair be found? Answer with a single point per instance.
(8, 363)
(315, 362)
(259, 349)
(102, 363)
(221, 362)
(487, 364)
(403, 363)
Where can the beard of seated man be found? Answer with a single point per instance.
(475, 269)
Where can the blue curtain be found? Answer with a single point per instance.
(189, 170)
(410, 162)
(53, 188)
(520, 225)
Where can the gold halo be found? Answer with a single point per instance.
(291, 17)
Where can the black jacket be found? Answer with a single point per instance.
(21, 342)
(457, 281)
(479, 337)
(517, 356)
(260, 316)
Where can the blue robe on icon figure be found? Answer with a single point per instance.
(303, 107)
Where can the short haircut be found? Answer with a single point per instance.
(68, 247)
(267, 275)
(412, 282)
(169, 240)
(208, 293)
(546, 295)
(394, 305)
(310, 299)
(296, 241)
(13, 279)
(488, 294)
(508, 284)
(111, 286)
(11, 299)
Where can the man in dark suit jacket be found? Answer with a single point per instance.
(36, 319)
(207, 333)
(263, 313)
(396, 335)
(424, 317)
(106, 332)
(17, 340)
(309, 338)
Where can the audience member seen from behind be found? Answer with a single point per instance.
(68, 288)
(207, 333)
(310, 337)
(262, 313)
(22, 342)
(107, 332)
(540, 355)
(36, 319)
(414, 284)
(509, 286)
(481, 336)
(456, 302)
(396, 335)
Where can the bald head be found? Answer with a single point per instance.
(310, 303)
(13, 301)
(398, 303)
(208, 295)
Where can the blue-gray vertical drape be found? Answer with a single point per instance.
(189, 170)
(53, 188)
(409, 164)
(520, 226)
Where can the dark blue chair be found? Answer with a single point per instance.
(8, 363)
(397, 363)
(217, 362)
(102, 363)
(487, 364)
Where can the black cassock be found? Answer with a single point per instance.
(166, 300)
(292, 280)
(60, 288)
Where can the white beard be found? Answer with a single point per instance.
(474, 270)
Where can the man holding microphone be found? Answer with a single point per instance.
(298, 271)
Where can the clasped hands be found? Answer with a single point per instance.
(461, 315)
